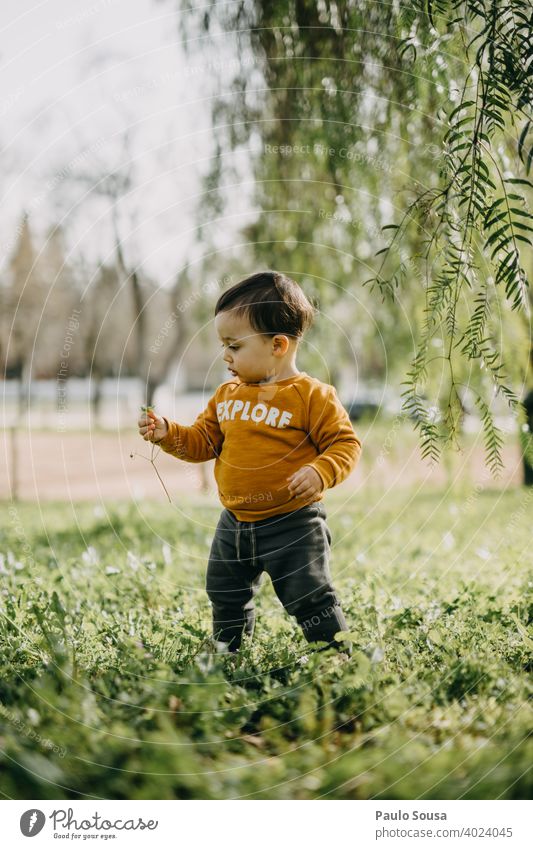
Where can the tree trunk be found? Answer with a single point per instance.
(96, 399)
(527, 441)
(151, 387)
(14, 482)
(24, 396)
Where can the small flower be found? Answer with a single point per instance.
(90, 556)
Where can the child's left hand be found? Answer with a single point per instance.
(305, 483)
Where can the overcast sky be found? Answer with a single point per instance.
(76, 77)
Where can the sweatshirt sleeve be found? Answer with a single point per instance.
(331, 431)
(195, 444)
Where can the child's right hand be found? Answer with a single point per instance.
(151, 427)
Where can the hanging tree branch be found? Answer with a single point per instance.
(476, 214)
(466, 67)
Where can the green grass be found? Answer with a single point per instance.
(108, 690)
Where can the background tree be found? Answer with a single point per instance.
(416, 118)
(25, 295)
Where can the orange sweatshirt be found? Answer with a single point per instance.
(259, 434)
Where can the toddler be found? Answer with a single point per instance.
(280, 438)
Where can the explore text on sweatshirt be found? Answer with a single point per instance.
(260, 434)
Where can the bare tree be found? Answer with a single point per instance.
(25, 298)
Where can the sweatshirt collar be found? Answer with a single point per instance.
(285, 381)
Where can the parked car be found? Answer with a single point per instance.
(371, 401)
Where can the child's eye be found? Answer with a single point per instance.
(233, 347)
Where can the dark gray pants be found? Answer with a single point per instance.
(294, 550)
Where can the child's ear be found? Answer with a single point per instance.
(280, 345)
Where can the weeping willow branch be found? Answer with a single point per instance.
(478, 214)
(465, 223)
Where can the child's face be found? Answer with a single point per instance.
(250, 355)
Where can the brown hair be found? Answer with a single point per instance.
(272, 302)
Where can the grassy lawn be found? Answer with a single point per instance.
(107, 688)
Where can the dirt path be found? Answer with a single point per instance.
(97, 465)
